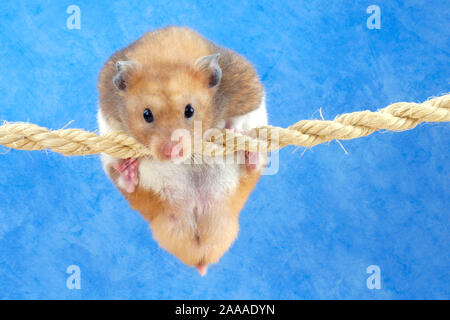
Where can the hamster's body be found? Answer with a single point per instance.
(193, 209)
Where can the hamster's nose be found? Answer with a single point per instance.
(172, 150)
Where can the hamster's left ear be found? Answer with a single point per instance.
(210, 64)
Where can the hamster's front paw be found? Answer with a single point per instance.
(255, 160)
(128, 170)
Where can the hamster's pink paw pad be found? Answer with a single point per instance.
(129, 173)
(255, 160)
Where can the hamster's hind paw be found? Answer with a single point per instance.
(128, 170)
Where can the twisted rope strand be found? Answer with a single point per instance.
(307, 133)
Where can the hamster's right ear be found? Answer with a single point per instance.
(126, 71)
(210, 64)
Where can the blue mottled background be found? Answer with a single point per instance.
(309, 231)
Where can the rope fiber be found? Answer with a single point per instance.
(307, 133)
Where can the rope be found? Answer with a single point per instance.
(307, 133)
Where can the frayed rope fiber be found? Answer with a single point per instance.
(307, 133)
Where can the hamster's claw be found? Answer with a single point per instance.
(129, 173)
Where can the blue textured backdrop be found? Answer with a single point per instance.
(309, 231)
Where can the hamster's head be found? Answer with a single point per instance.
(164, 102)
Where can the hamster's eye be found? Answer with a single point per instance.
(188, 111)
(148, 115)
